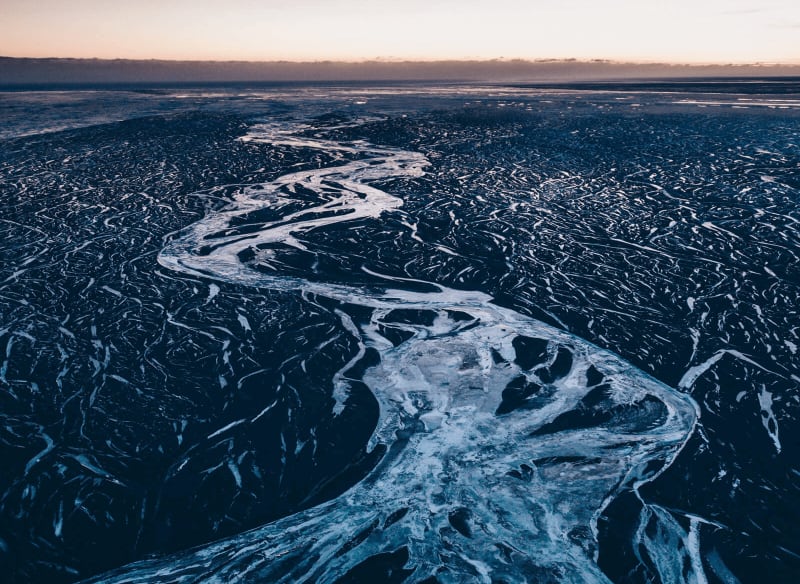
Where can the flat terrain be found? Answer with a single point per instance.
(146, 409)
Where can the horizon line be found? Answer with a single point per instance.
(68, 71)
(402, 60)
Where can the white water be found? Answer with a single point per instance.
(524, 504)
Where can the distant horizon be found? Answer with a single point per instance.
(64, 72)
(398, 60)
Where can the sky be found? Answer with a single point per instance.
(676, 31)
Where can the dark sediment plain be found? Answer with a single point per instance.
(402, 334)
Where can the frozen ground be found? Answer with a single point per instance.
(374, 324)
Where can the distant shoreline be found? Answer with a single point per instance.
(738, 85)
(42, 74)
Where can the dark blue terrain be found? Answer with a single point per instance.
(403, 333)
